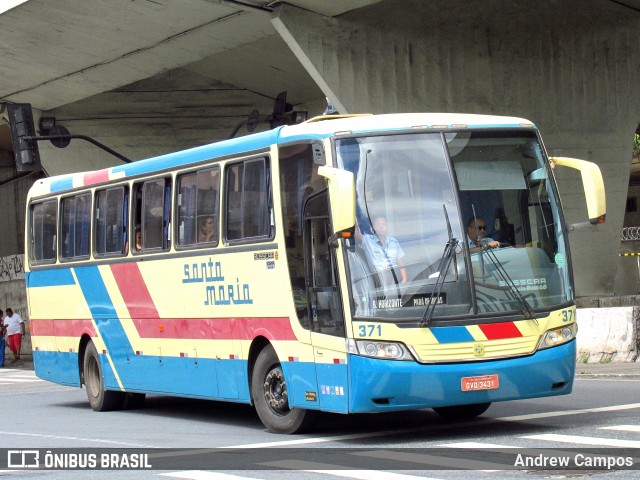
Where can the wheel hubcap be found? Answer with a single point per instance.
(275, 391)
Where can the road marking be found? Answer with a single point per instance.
(623, 428)
(476, 445)
(609, 442)
(62, 437)
(19, 380)
(426, 459)
(202, 475)
(326, 469)
(431, 428)
(560, 413)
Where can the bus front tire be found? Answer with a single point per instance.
(101, 400)
(462, 412)
(270, 397)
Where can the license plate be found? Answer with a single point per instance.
(485, 382)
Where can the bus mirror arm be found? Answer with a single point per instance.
(579, 225)
(346, 234)
(62, 140)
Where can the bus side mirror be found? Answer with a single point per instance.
(26, 154)
(342, 194)
(591, 182)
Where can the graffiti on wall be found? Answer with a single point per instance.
(11, 268)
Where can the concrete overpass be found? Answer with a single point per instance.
(148, 77)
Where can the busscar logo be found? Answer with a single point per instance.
(478, 350)
(23, 459)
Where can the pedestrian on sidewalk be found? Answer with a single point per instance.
(3, 331)
(15, 331)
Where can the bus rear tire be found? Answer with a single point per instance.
(270, 397)
(101, 400)
(462, 412)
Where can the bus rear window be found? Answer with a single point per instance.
(44, 217)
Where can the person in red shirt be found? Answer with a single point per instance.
(15, 331)
(3, 331)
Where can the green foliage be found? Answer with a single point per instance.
(636, 144)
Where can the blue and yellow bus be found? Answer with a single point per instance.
(249, 270)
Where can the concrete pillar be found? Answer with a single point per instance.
(14, 295)
(569, 66)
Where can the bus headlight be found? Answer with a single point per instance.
(378, 349)
(558, 336)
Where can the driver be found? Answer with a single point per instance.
(476, 235)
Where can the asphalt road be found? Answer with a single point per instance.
(603, 413)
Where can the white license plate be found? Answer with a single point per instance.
(485, 382)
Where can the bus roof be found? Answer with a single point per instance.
(315, 129)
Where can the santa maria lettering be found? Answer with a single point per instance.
(216, 291)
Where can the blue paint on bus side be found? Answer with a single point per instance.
(64, 183)
(333, 387)
(50, 278)
(386, 385)
(57, 367)
(110, 330)
(302, 387)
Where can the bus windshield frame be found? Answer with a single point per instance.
(432, 191)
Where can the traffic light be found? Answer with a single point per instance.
(25, 152)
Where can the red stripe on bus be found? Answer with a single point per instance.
(61, 328)
(276, 328)
(496, 331)
(134, 290)
(96, 177)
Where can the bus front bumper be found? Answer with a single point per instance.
(386, 385)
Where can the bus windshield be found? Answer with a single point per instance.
(453, 225)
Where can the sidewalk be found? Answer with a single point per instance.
(25, 362)
(612, 369)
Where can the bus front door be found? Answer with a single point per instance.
(327, 320)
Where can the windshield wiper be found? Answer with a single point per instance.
(525, 308)
(448, 254)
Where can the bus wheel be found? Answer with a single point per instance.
(462, 412)
(101, 400)
(270, 397)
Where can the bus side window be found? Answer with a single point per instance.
(67, 227)
(153, 207)
(43, 232)
(198, 207)
(83, 225)
(248, 212)
(187, 209)
(110, 221)
(75, 222)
